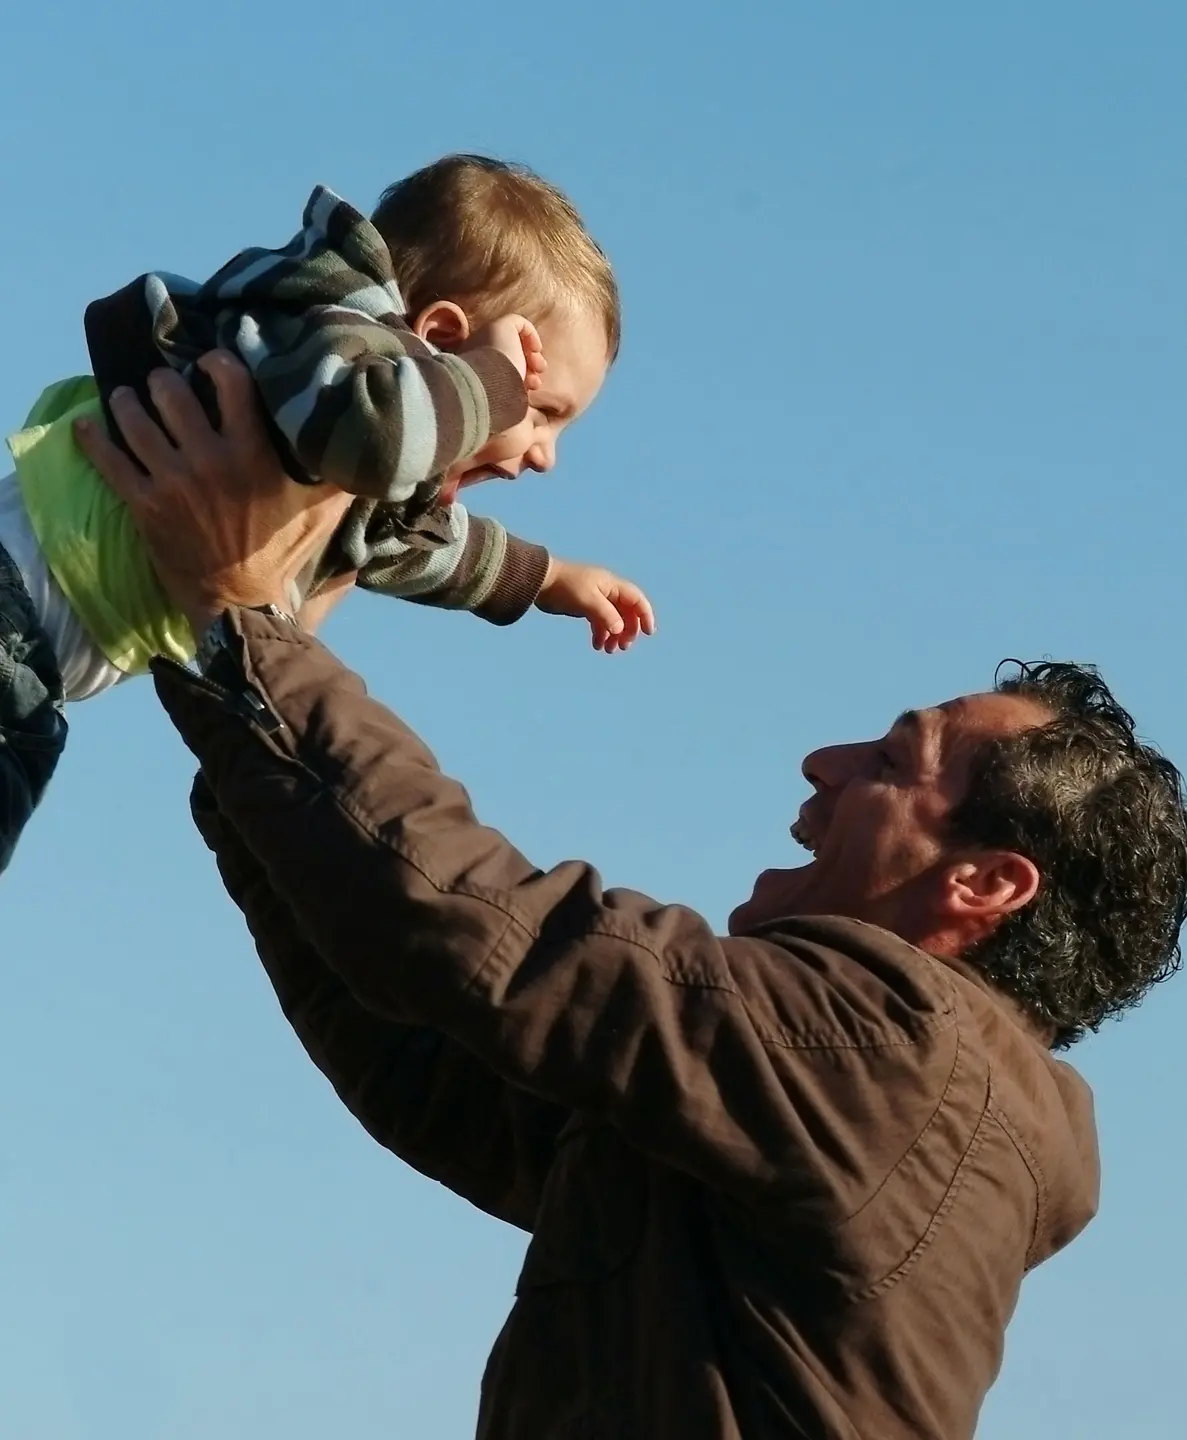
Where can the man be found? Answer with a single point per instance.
(784, 1182)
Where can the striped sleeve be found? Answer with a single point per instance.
(359, 398)
(368, 406)
(480, 568)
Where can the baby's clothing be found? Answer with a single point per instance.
(351, 395)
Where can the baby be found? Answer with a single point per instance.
(448, 340)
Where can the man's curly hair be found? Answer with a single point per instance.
(1102, 817)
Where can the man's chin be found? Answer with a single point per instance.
(776, 894)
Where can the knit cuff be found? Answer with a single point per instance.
(503, 385)
(520, 581)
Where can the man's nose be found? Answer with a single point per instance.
(833, 766)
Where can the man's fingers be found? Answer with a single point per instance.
(184, 418)
(121, 472)
(144, 437)
(236, 397)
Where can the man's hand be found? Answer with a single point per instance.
(519, 340)
(315, 609)
(222, 522)
(618, 612)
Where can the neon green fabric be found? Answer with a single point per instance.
(87, 535)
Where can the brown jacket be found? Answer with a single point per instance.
(785, 1185)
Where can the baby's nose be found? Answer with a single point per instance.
(541, 457)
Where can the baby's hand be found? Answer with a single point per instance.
(618, 612)
(519, 340)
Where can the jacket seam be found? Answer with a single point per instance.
(918, 1140)
(1034, 1169)
(938, 1217)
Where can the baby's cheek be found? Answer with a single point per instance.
(512, 444)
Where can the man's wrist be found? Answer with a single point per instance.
(203, 611)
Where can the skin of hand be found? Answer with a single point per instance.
(222, 522)
(618, 611)
(317, 607)
(516, 337)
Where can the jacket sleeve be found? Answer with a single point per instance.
(746, 1063)
(413, 1089)
(479, 567)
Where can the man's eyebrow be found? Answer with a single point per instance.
(912, 722)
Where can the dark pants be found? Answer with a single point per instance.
(32, 726)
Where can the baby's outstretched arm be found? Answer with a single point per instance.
(617, 610)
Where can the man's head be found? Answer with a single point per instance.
(474, 239)
(1025, 830)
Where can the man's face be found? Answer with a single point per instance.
(876, 824)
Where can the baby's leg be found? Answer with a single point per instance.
(32, 726)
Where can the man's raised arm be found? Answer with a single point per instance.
(415, 1091)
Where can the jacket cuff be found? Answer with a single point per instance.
(520, 581)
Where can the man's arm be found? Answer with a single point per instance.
(746, 1063)
(415, 1091)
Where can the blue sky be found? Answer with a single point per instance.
(901, 394)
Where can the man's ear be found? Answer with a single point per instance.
(442, 324)
(987, 886)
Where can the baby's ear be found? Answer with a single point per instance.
(443, 324)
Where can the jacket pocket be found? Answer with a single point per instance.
(593, 1210)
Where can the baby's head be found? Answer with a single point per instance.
(473, 239)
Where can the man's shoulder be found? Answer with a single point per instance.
(843, 983)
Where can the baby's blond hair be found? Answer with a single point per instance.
(494, 237)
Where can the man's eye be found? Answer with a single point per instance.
(885, 760)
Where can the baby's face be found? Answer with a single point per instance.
(575, 348)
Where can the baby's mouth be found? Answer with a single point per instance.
(449, 490)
